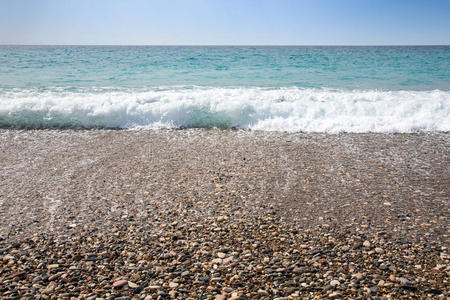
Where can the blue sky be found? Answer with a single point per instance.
(225, 22)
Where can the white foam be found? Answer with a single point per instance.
(284, 109)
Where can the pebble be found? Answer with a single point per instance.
(405, 282)
(216, 261)
(262, 292)
(335, 295)
(50, 288)
(235, 296)
(53, 266)
(222, 218)
(366, 244)
(334, 283)
(120, 283)
(228, 260)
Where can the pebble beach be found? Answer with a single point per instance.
(223, 214)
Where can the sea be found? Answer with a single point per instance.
(270, 88)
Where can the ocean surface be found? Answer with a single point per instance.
(307, 89)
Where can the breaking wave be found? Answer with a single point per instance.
(282, 109)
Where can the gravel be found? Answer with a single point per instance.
(223, 214)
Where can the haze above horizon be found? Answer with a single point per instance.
(220, 22)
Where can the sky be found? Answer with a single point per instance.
(225, 22)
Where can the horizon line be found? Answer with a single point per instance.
(233, 45)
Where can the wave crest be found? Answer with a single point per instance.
(284, 109)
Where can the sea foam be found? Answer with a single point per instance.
(282, 109)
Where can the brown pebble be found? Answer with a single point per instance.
(120, 283)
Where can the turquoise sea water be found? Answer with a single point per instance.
(313, 89)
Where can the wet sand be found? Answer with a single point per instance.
(223, 214)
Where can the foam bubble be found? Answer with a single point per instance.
(282, 109)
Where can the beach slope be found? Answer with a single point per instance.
(223, 213)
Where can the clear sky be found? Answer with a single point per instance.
(225, 22)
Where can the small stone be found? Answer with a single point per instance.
(221, 297)
(357, 245)
(406, 284)
(135, 277)
(8, 257)
(334, 283)
(228, 260)
(55, 276)
(120, 283)
(379, 250)
(216, 261)
(173, 285)
(359, 276)
(221, 255)
(50, 288)
(52, 266)
(153, 287)
(263, 292)
(381, 283)
(132, 285)
(234, 296)
(222, 218)
(334, 295)
(366, 244)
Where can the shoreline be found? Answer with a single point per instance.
(185, 213)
